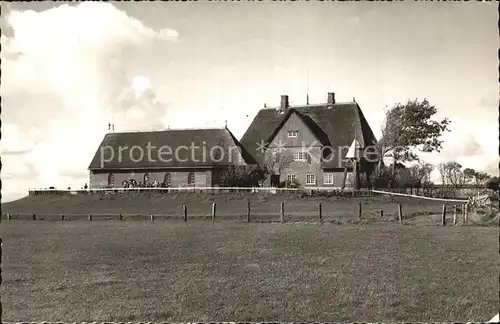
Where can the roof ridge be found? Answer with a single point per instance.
(166, 130)
(311, 105)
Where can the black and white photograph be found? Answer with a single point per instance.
(250, 161)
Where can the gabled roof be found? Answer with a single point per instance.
(204, 139)
(313, 127)
(337, 126)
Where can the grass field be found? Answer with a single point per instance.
(199, 271)
(264, 208)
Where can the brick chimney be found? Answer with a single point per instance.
(284, 102)
(331, 99)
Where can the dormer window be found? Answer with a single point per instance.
(293, 133)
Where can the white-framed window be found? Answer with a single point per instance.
(293, 133)
(300, 156)
(290, 177)
(310, 179)
(328, 178)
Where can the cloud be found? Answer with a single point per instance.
(168, 34)
(74, 62)
(461, 145)
(23, 169)
(473, 144)
(14, 142)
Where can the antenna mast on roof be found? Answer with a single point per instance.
(307, 86)
(112, 120)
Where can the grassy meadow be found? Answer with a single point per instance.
(203, 271)
(347, 269)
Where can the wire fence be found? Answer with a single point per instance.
(257, 204)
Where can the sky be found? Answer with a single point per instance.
(70, 69)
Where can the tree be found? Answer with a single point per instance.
(381, 176)
(493, 183)
(475, 177)
(276, 161)
(426, 171)
(419, 173)
(454, 174)
(414, 177)
(470, 175)
(442, 173)
(481, 177)
(408, 127)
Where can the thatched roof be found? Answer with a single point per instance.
(174, 138)
(337, 127)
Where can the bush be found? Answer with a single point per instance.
(289, 184)
(427, 188)
(381, 177)
(493, 184)
(364, 181)
(244, 176)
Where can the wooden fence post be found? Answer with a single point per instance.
(152, 217)
(120, 217)
(320, 213)
(282, 212)
(454, 214)
(381, 213)
(34, 216)
(62, 217)
(463, 213)
(443, 216)
(360, 209)
(90, 217)
(248, 211)
(466, 214)
(400, 213)
(214, 206)
(185, 212)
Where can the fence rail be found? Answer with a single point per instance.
(211, 190)
(252, 189)
(422, 197)
(413, 192)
